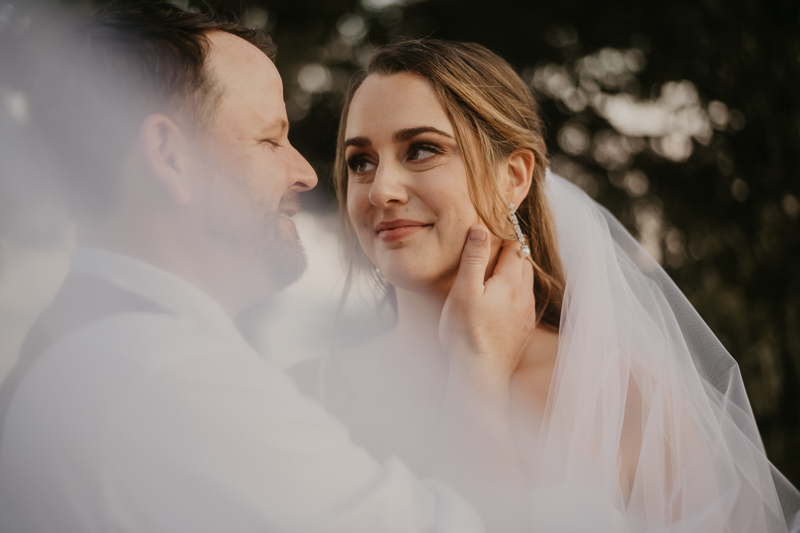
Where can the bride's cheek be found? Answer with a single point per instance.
(357, 206)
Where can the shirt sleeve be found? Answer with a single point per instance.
(210, 437)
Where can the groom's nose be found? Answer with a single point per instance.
(301, 171)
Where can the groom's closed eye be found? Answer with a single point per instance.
(275, 133)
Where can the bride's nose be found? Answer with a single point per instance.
(387, 187)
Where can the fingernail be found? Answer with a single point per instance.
(477, 235)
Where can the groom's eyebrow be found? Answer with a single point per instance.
(277, 127)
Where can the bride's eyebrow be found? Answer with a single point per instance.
(410, 133)
(358, 142)
(398, 136)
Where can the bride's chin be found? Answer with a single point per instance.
(407, 283)
(418, 282)
(418, 270)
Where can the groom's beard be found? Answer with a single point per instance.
(286, 260)
(242, 222)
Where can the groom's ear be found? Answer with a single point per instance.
(519, 166)
(166, 153)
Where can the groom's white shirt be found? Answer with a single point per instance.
(170, 422)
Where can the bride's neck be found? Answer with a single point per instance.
(415, 341)
(418, 317)
(417, 331)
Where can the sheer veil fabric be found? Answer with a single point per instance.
(647, 425)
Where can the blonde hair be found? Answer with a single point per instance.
(490, 108)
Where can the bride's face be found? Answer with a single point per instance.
(407, 193)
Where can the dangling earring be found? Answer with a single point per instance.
(525, 251)
(380, 274)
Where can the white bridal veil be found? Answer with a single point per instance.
(642, 385)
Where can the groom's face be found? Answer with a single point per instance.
(250, 174)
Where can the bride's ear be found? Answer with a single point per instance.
(518, 175)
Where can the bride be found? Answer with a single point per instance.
(628, 414)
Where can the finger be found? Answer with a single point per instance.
(527, 273)
(474, 259)
(509, 262)
(529, 276)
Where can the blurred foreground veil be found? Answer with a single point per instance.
(641, 385)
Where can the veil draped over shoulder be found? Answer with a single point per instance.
(643, 387)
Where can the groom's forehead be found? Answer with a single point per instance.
(235, 51)
(247, 77)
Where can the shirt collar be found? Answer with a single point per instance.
(159, 286)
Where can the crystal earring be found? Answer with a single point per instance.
(525, 251)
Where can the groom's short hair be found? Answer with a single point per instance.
(112, 69)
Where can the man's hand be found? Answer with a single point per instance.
(488, 323)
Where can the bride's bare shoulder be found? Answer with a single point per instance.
(530, 383)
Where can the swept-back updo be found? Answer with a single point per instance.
(493, 114)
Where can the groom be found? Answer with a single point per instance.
(136, 404)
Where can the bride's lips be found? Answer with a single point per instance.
(394, 230)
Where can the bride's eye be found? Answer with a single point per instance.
(422, 151)
(359, 165)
